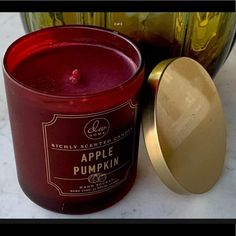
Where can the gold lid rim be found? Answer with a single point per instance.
(150, 133)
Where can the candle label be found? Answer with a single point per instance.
(92, 153)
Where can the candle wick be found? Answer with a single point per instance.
(75, 76)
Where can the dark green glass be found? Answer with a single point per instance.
(206, 37)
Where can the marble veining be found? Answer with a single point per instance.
(149, 197)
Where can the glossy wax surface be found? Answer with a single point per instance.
(101, 68)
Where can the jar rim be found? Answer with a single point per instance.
(45, 31)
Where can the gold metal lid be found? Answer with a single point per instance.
(183, 126)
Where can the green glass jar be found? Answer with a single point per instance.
(204, 36)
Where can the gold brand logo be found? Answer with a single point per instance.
(96, 128)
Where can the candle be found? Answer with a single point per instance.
(73, 98)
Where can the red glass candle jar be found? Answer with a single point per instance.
(73, 98)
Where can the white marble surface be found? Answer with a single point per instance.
(149, 197)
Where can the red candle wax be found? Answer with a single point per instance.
(101, 68)
(73, 100)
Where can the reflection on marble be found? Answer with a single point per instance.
(149, 197)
